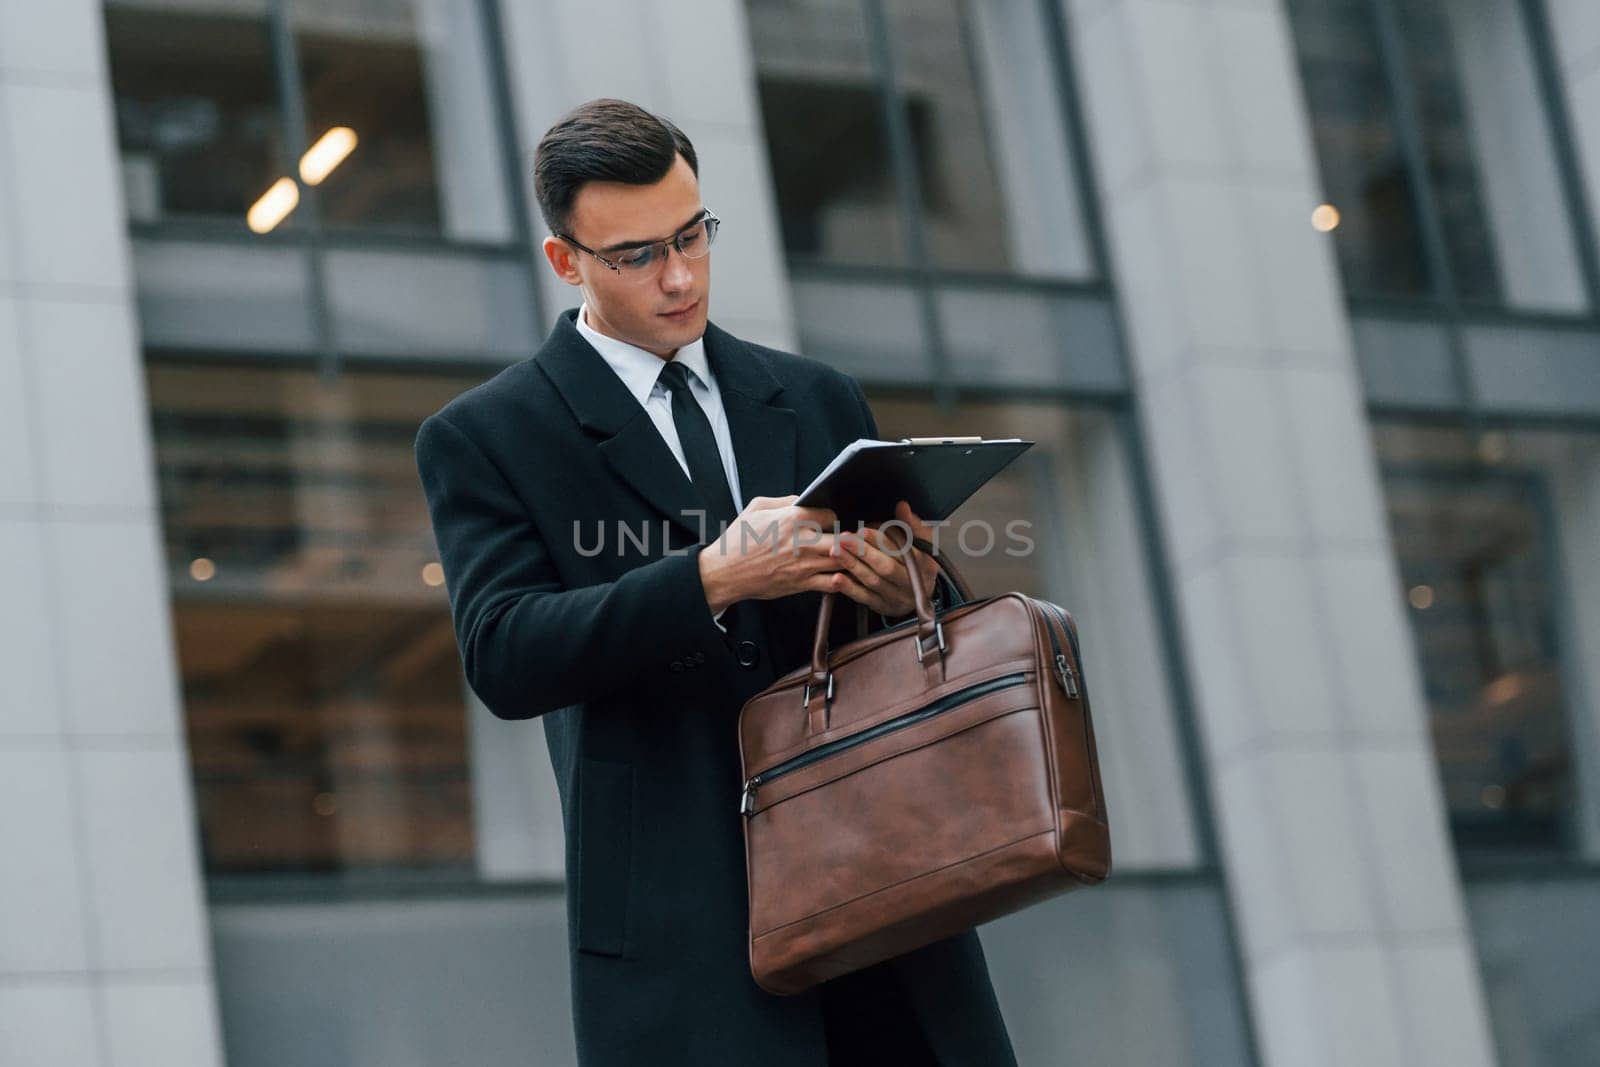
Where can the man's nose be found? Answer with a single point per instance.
(676, 275)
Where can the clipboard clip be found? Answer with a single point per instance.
(941, 440)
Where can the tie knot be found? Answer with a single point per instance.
(674, 376)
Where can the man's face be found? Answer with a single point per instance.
(610, 217)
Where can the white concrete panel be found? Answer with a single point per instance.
(1331, 450)
(56, 38)
(145, 900)
(115, 634)
(1398, 804)
(1323, 845)
(162, 1024)
(1575, 25)
(1148, 282)
(1284, 649)
(1218, 281)
(1301, 297)
(89, 403)
(1330, 1007)
(1238, 409)
(1112, 104)
(1435, 979)
(29, 695)
(49, 1022)
(41, 894)
(748, 278)
(1372, 651)
(704, 53)
(16, 430)
(70, 228)
(1259, 87)
(1179, 90)
(1248, 838)
(1184, 470)
(1215, 659)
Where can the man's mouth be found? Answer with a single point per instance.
(681, 312)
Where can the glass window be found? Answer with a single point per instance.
(979, 92)
(979, 100)
(1495, 537)
(323, 696)
(1078, 543)
(397, 104)
(1485, 142)
(1487, 138)
(1379, 237)
(824, 129)
(196, 93)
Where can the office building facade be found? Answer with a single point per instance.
(1300, 300)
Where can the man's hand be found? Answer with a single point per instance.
(772, 549)
(876, 564)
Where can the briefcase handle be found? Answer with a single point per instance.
(930, 633)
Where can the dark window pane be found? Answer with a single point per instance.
(825, 133)
(197, 111)
(1485, 143)
(1486, 135)
(426, 153)
(1364, 176)
(324, 703)
(981, 100)
(1489, 533)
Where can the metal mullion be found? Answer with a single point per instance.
(902, 154)
(1436, 254)
(505, 121)
(1559, 122)
(292, 100)
(1066, 78)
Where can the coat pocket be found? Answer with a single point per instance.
(605, 856)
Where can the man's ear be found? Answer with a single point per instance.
(563, 260)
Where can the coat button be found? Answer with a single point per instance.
(675, 666)
(749, 654)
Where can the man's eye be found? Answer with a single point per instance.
(639, 257)
(692, 239)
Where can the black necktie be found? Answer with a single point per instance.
(699, 448)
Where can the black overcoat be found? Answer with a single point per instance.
(526, 476)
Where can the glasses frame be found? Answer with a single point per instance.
(675, 240)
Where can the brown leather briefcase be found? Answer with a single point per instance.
(917, 782)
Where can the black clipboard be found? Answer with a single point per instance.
(935, 475)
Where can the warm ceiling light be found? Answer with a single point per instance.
(327, 153)
(1421, 597)
(432, 574)
(274, 205)
(1325, 217)
(202, 569)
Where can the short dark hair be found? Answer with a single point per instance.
(603, 140)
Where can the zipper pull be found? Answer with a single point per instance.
(747, 803)
(1069, 681)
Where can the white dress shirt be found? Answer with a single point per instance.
(639, 371)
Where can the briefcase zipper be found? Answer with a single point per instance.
(1064, 672)
(948, 702)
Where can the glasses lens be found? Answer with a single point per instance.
(638, 259)
(696, 240)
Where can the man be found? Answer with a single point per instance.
(578, 499)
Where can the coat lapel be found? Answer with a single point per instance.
(763, 433)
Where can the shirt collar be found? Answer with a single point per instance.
(639, 368)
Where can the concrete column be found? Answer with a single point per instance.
(104, 952)
(1327, 801)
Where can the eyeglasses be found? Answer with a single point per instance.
(636, 264)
